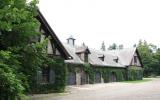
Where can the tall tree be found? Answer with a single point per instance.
(113, 46)
(120, 46)
(21, 55)
(103, 47)
(148, 58)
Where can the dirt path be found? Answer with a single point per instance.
(110, 91)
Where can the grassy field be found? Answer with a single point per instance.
(139, 81)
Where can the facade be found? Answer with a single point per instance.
(107, 66)
(86, 65)
(55, 50)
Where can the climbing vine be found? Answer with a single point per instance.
(135, 73)
(90, 71)
(59, 68)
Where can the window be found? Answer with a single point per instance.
(86, 57)
(135, 59)
(101, 58)
(116, 60)
(45, 75)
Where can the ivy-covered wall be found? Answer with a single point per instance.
(120, 74)
(106, 72)
(60, 79)
(135, 73)
(62, 70)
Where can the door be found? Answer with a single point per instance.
(113, 77)
(84, 78)
(71, 78)
(98, 78)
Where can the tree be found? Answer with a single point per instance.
(10, 85)
(113, 47)
(147, 53)
(103, 47)
(17, 22)
(120, 46)
(21, 55)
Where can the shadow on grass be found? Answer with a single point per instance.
(138, 81)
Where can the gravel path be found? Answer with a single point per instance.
(111, 91)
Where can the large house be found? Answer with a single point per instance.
(55, 49)
(86, 65)
(108, 66)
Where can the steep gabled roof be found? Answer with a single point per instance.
(125, 55)
(93, 57)
(72, 51)
(55, 39)
(108, 59)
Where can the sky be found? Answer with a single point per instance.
(112, 21)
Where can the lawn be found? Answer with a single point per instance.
(139, 81)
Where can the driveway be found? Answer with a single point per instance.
(111, 91)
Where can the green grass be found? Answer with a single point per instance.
(138, 81)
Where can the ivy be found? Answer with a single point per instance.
(90, 71)
(58, 66)
(135, 73)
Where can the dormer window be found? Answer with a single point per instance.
(101, 57)
(116, 60)
(85, 57)
(83, 53)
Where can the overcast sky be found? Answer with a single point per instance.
(112, 21)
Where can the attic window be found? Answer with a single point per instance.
(86, 57)
(135, 59)
(116, 60)
(101, 57)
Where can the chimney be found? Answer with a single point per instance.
(71, 41)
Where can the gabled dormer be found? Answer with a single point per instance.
(101, 57)
(83, 53)
(116, 59)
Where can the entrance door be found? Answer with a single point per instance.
(113, 77)
(98, 78)
(71, 78)
(84, 78)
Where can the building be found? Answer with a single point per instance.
(55, 50)
(107, 66)
(86, 65)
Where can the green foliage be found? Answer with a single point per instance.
(150, 58)
(10, 84)
(106, 73)
(22, 55)
(59, 68)
(90, 71)
(17, 22)
(113, 46)
(135, 73)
